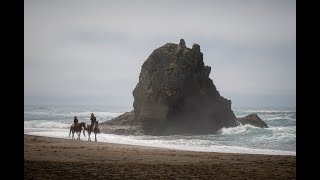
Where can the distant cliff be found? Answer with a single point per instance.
(175, 95)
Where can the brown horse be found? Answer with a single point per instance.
(94, 129)
(77, 128)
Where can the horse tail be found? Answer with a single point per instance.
(84, 129)
(70, 131)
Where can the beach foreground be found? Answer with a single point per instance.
(54, 158)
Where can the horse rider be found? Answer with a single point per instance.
(75, 120)
(93, 120)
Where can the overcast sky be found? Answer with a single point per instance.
(91, 52)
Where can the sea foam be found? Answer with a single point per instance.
(279, 138)
(177, 144)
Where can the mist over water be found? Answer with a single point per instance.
(279, 138)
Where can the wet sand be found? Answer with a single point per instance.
(54, 158)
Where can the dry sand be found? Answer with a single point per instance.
(54, 158)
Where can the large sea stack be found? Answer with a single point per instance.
(175, 95)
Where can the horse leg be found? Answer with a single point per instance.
(95, 136)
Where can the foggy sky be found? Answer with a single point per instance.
(91, 52)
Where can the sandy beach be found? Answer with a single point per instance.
(54, 158)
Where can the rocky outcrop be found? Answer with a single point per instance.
(124, 119)
(254, 120)
(121, 125)
(175, 95)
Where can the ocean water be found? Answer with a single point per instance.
(278, 139)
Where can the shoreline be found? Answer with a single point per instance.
(48, 157)
(284, 153)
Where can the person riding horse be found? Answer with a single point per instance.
(75, 120)
(93, 120)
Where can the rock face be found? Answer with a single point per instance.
(122, 125)
(175, 95)
(254, 120)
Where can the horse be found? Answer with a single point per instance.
(77, 128)
(95, 130)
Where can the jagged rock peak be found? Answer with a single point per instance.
(182, 43)
(196, 47)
